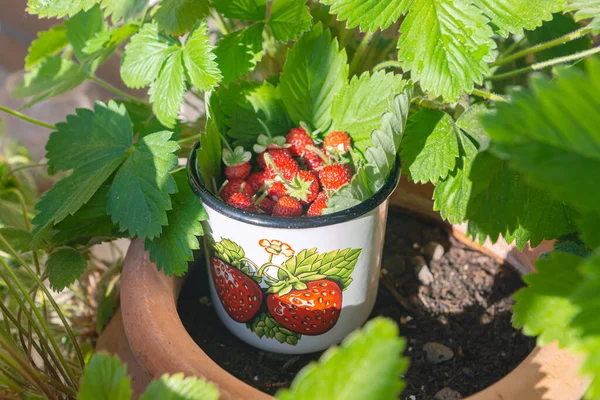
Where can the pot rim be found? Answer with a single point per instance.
(209, 199)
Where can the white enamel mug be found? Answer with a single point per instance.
(293, 285)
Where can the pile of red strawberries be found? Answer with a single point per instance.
(291, 178)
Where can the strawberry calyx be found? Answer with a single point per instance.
(298, 187)
(235, 157)
(264, 143)
(267, 141)
(329, 158)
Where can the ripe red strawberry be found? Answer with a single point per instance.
(312, 311)
(313, 160)
(237, 165)
(242, 201)
(238, 171)
(298, 139)
(277, 190)
(287, 167)
(256, 181)
(317, 207)
(240, 295)
(287, 207)
(275, 154)
(304, 187)
(266, 205)
(337, 142)
(334, 176)
(235, 186)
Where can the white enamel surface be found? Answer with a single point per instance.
(366, 232)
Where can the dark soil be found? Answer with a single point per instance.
(467, 308)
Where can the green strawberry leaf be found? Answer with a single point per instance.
(47, 44)
(83, 26)
(90, 221)
(527, 213)
(177, 17)
(470, 123)
(382, 153)
(139, 195)
(123, 9)
(370, 15)
(349, 195)
(167, 92)
(289, 18)
(173, 248)
(51, 77)
(209, 153)
(380, 157)
(587, 322)
(178, 387)
(107, 137)
(64, 266)
(512, 16)
(586, 9)
(145, 55)
(430, 146)
(588, 225)
(105, 378)
(263, 325)
(199, 59)
(238, 52)
(58, 8)
(540, 141)
(544, 308)
(358, 107)
(252, 10)
(315, 71)
(446, 46)
(144, 120)
(451, 195)
(336, 375)
(105, 43)
(93, 157)
(240, 106)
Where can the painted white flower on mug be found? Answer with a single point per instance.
(276, 247)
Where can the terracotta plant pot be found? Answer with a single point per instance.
(311, 307)
(152, 340)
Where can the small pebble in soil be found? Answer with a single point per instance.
(422, 270)
(447, 394)
(437, 353)
(433, 251)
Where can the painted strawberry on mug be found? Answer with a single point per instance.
(311, 311)
(239, 293)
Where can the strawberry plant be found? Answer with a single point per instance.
(324, 93)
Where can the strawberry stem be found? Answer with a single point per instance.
(225, 142)
(222, 186)
(266, 128)
(258, 200)
(326, 159)
(270, 163)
